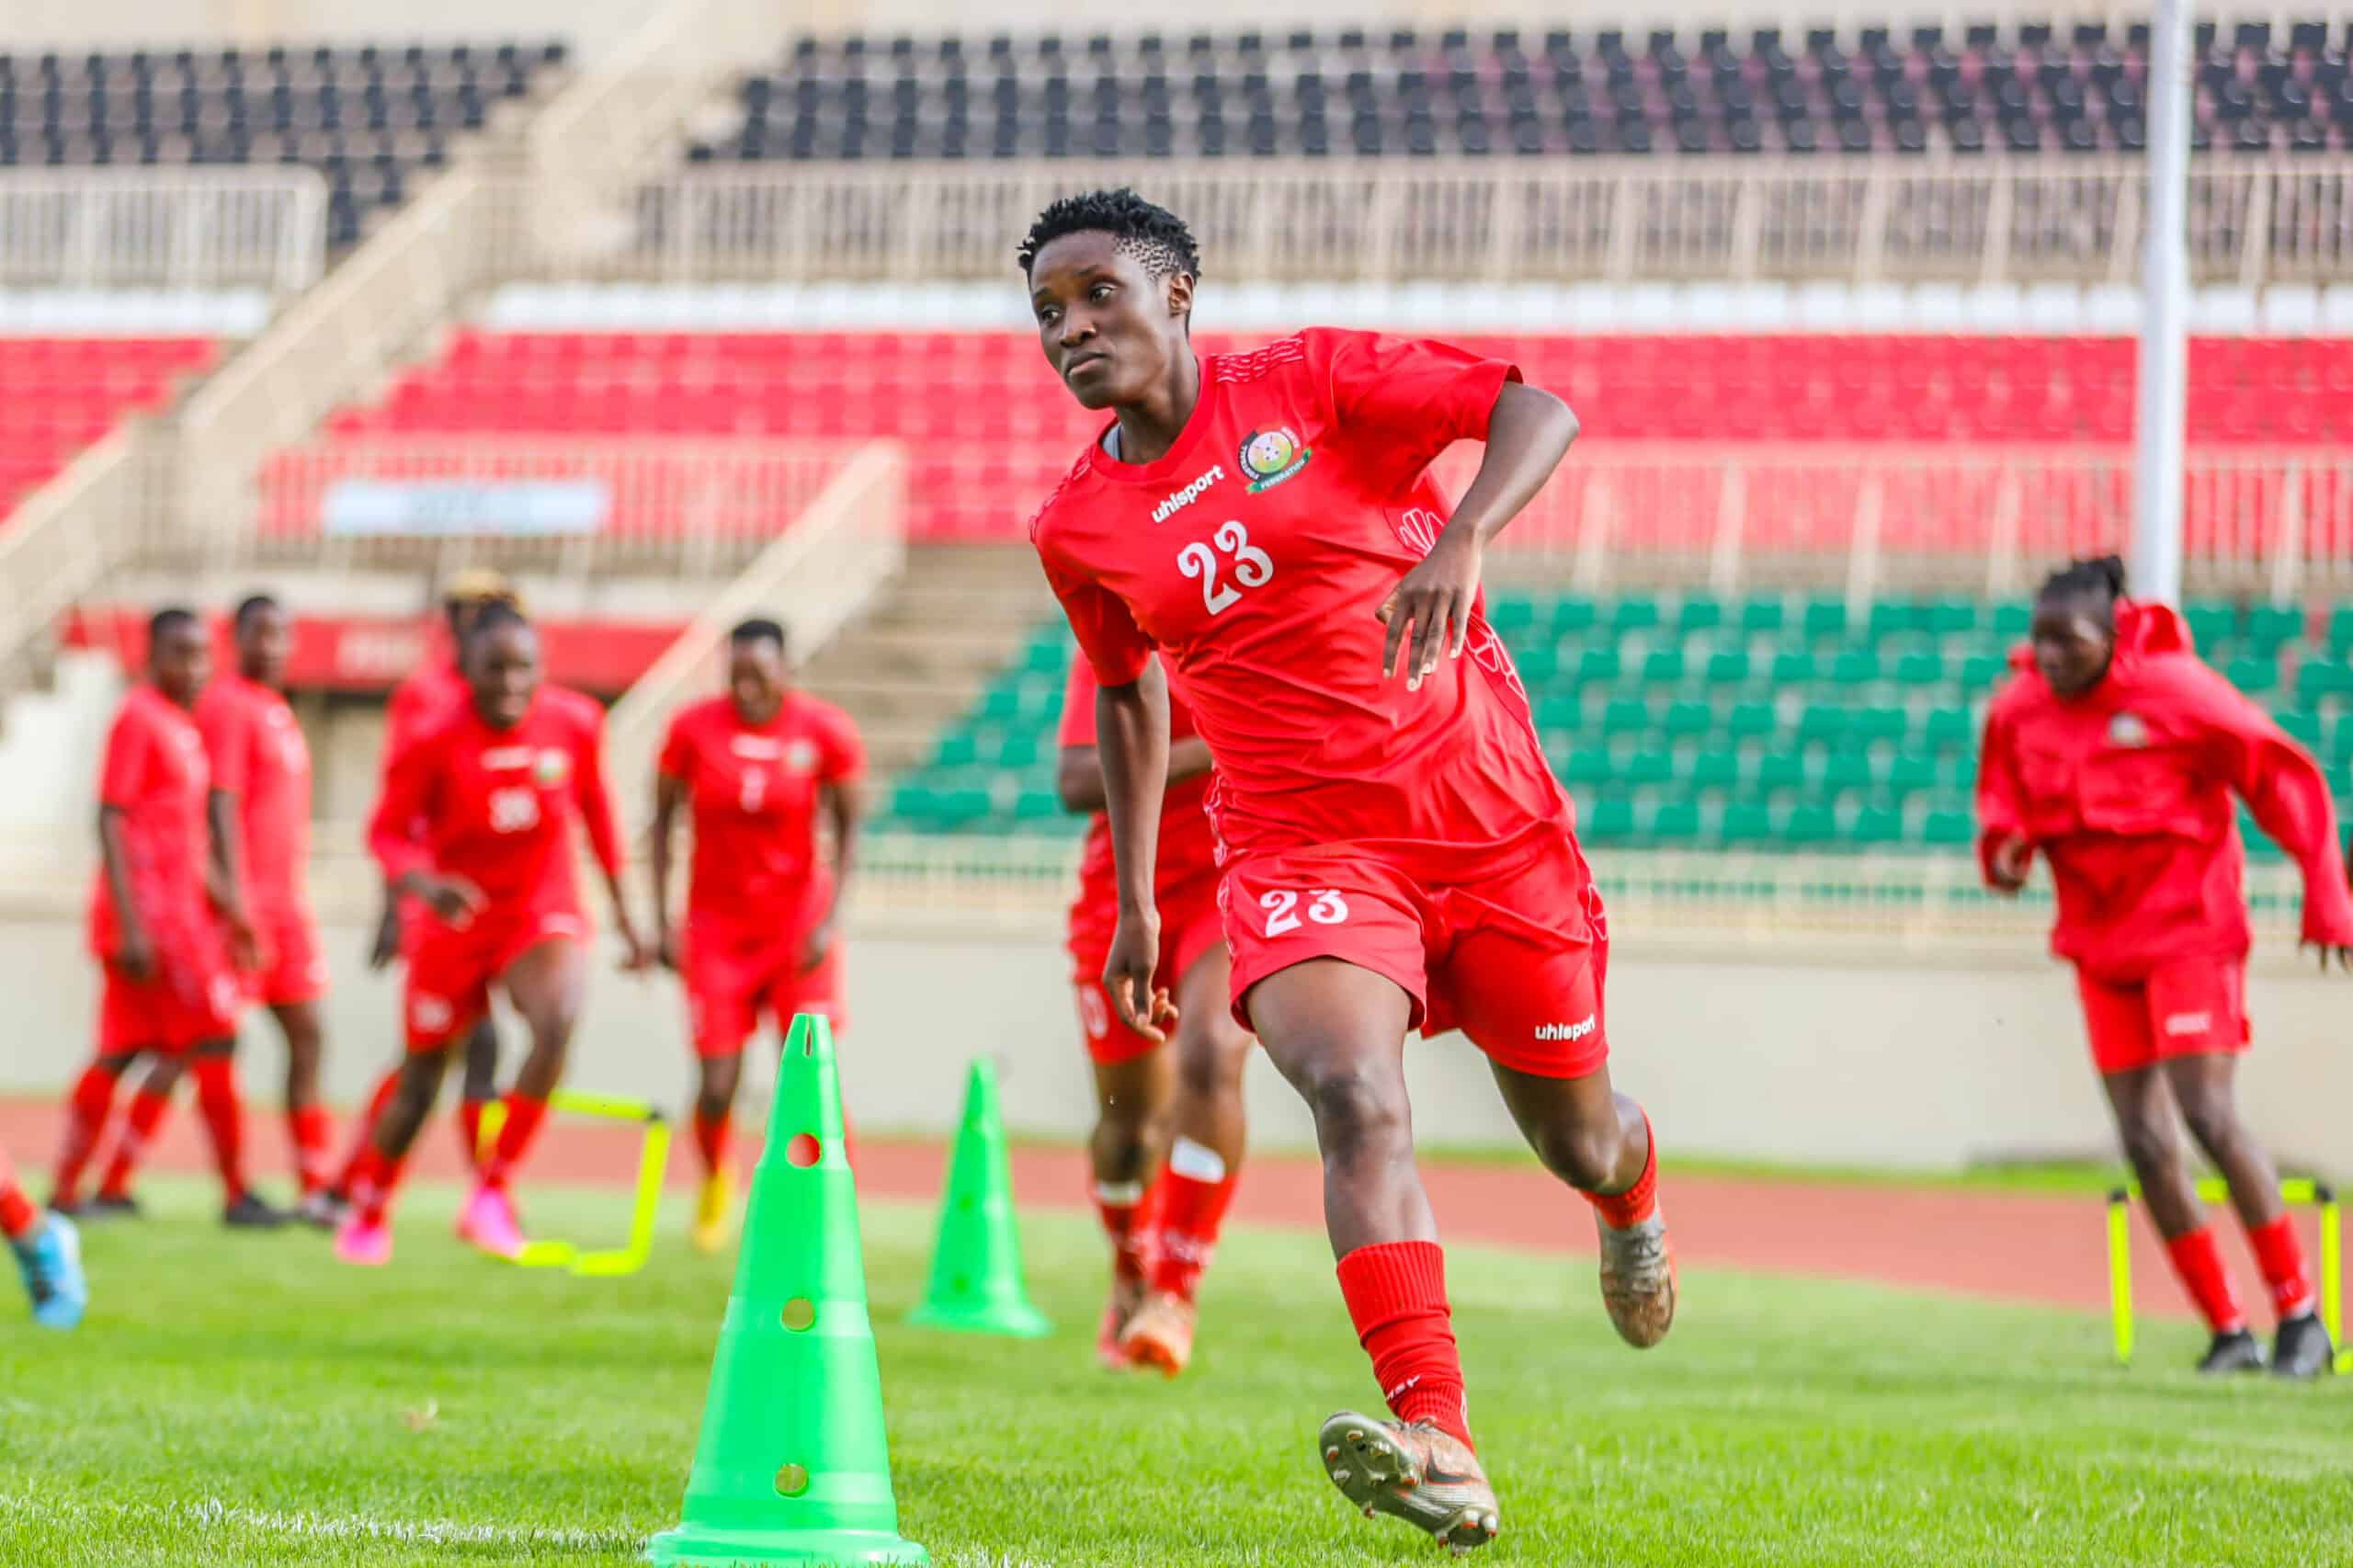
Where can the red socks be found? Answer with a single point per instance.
(2280, 1253)
(1620, 1210)
(147, 1111)
(364, 1130)
(2199, 1262)
(1121, 1205)
(470, 1131)
(18, 1218)
(516, 1133)
(1396, 1296)
(1190, 1206)
(710, 1139)
(373, 1180)
(86, 1116)
(224, 1119)
(310, 1130)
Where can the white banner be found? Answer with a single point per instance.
(531, 509)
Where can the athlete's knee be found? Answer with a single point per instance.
(2149, 1143)
(1589, 1157)
(1358, 1112)
(1210, 1058)
(2212, 1121)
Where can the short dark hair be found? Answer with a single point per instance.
(2099, 578)
(169, 619)
(1153, 234)
(760, 628)
(250, 606)
(493, 614)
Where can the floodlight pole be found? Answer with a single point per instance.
(2162, 405)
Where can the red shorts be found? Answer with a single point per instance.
(1515, 957)
(2189, 1007)
(450, 968)
(192, 997)
(292, 968)
(1190, 927)
(733, 975)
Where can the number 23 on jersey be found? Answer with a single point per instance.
(1324, 907)
(1251, 567)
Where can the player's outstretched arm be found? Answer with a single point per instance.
(1529, 432)
(1132, 740)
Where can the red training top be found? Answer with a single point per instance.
(2126, 790)
(258, 754)
(155, 774)
(495, 806)
(1254, 555)
(1187, 843)
(755, 791)
(425, 696)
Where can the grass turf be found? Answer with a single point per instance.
(238, 1400)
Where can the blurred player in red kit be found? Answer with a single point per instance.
(2114, 754)
(1396, 854)
(167, 928)
(756, 768)
(1180, 1101)
(424, 696)
(476, 824)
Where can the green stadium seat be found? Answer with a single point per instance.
(1560, 712)
(1035, 804)
(1698, 613)
(1825, 621)
(1763, 618)
(1780, 773)
(1747, 822)
(1751, 721)
(1981, 673)
(2302, 725)
(1822, 723)
(1669, 822)
(2010, 623)
(1687, 720)
(1728, 666)
(1635, 612)
(1847, 772)
(2321, 679)
(1909, 773)
(1793, 666)
(1609, 820)
(2340, 631)
(1948, 829)
(2253, 674)
(2270, 628)
(1958, 773)
(1588, 764)
(1047, 655)
(1876, 825)
(1854, 666)
(958, 748)
(1892, 619)
(1646, 769)
(2210, 625)
(1809, 824)
(1511, 614)
(1948, 618)
(1571, 616)
(1949, 728)
(1599, 664)
(1538, 664)
(1625, 716)
(1924, 668)
(1712, 771)
(1878, 723)
(1003, 702)
(1663, 666)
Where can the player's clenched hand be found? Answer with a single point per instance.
(636, 957)
(1435, 599)
(665, 949)
(244, 945)
(820, 943)
(453, 899)
(386, 941)
(135, 956)
(2323, 951)
(1127, 975)
(2012, 858)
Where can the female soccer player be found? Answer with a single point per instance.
(159, 914)
(757, 767)
(2114, 753)
(1396, 854)
(1184, 1100)
(475, 823)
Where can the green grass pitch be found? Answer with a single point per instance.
(242, 1400)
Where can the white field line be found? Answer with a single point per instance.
(213, 1514)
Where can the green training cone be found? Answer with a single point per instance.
(976, 1283)
(793, 1465)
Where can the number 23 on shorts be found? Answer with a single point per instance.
(1324, 907)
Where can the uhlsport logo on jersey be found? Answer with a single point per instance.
(1178, 500)
(1269, 457)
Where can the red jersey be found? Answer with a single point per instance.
(1187, 843)
(1254, 555)
(425, 696)
(258, 754)
(755, 791)
(155, 774)
(496, 806)
(2126, 791)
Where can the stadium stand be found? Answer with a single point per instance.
(58, 394)
(1421, 93)
(1690, 722)
(370, 118)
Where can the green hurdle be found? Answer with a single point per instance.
(652, 1162)
(2214, 1189)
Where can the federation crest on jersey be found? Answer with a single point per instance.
(551, 767)
(2127, 730)
(1269, 457)
(800, 756)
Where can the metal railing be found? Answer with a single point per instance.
(64, 540)
(686, 507)
(196, 228)
(813, 578)
(1884, 218)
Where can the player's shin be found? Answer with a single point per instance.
(86, 1108)
(1396, 1297)
(139, 1124)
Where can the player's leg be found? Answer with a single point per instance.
(365, 1236)
(310, 1130)
(1206, 1125)
(1132, 1085)
(362, 1134)
(1337, 1032)
(131, 1019)
(548, 983)
(2204, 1086)
(2147, 1127)
(722, 1011)
(478, 1089)
(220, 1103)
(47, 1251)
(151, 1103)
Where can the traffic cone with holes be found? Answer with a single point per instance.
(793, 1465)
(976, 1282)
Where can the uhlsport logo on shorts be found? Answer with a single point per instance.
(1269, 457)
(1575, 1031)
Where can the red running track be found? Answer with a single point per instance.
(2012, 1246)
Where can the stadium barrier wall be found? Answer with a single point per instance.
(2252, 221)
(196, 228)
